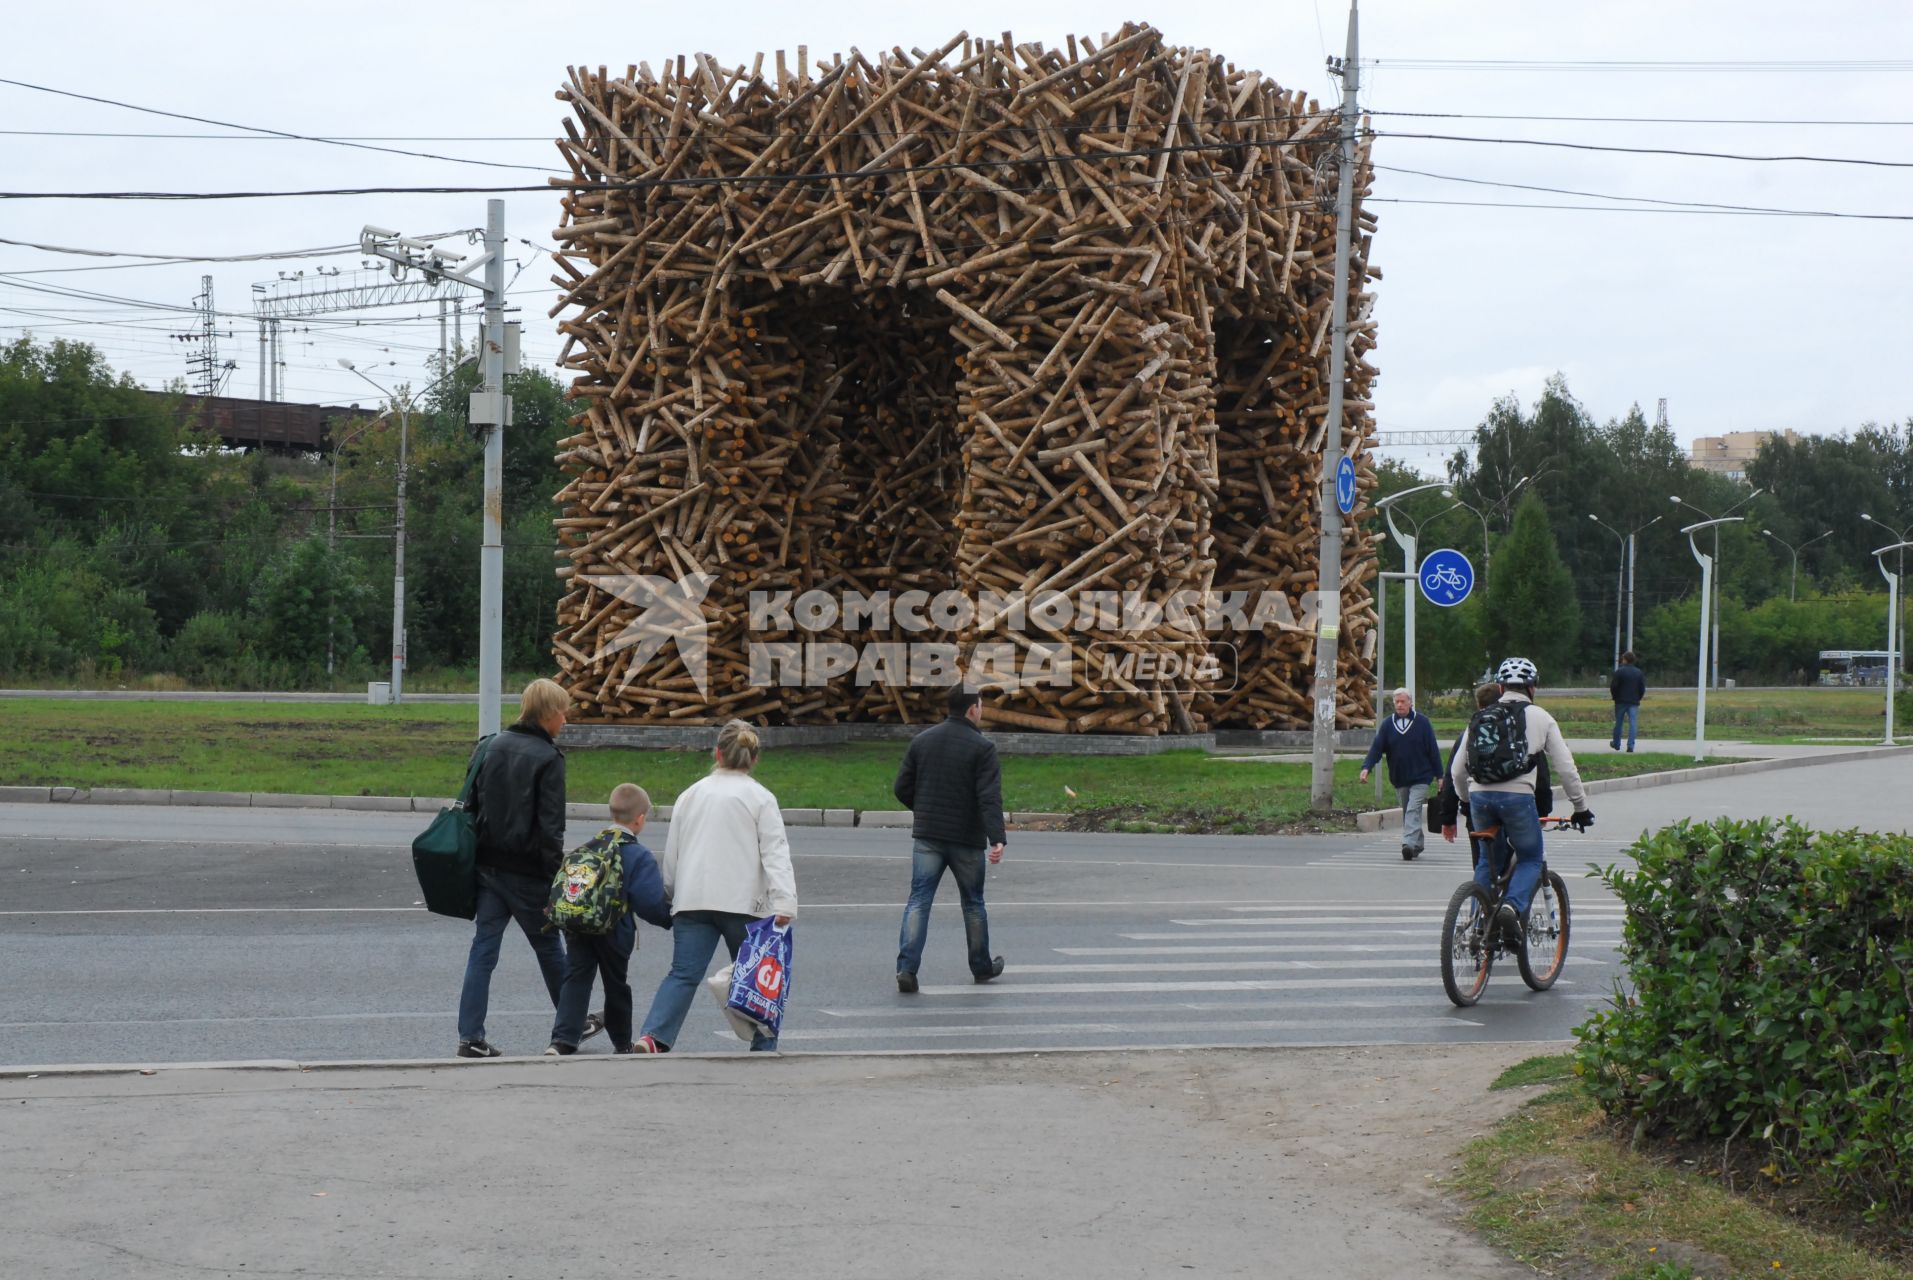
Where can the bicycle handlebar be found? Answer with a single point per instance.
(1548, 823)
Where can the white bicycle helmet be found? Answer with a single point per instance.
(1517, 671)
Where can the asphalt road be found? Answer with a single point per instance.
(175, 935)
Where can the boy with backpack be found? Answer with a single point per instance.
(1495, 777)
(600, 885)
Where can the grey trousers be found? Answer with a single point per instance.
(1414, 801)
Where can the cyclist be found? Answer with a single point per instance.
(1509, 801)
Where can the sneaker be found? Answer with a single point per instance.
(594, 1023)
(1511, 931)
(1410, 853)
(557, 1050)
(645, 1044)
(996, 970)
(906, 983)
(477, 1049)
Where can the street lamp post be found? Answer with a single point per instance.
(1899, 563)
(1895, 635)
(490, 412)
(1706, 587)
(1408, 543)
(404, 406)
(1793, 576)
(1620, 581)
(1487, 555)
(1629, 541)
(1716, 521)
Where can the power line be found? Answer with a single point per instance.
(1676, 206)
(277, 133)
(1650, 151)
(322, 251)
(1469, 115)
(826, 179)
(1622, 208)
(1680, 65)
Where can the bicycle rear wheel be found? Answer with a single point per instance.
(1467, 944)
(1547, 937)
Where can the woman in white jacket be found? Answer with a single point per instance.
(726, 863)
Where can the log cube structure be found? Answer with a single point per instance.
(1011, 353)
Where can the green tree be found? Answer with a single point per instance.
(1532, 610)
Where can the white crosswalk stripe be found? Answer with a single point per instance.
(1351, 970)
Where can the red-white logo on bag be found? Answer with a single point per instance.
(770, 977)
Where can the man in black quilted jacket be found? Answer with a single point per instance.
(952, 785)
(518, 806)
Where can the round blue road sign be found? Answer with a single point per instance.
(1446, 577)
(1345, 484)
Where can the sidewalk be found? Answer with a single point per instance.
(1141, 1164)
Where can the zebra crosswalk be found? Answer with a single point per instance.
(1347, 971)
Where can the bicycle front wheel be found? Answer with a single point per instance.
(1547, 936)
(1467, 944)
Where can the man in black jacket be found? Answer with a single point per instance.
(518, 805)
(1627, 686)
(951, 782)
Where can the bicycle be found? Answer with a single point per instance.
(1471, 941)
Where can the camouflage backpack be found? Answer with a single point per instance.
(587, 894)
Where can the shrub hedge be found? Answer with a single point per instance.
(1770, 981)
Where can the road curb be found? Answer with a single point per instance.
(101, 1070)
(797, 817)
(1390, 819)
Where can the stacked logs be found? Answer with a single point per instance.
(987, 318)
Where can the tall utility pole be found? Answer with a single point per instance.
(1328, 595)
(204, 361)
(495, 414)
(490, 413)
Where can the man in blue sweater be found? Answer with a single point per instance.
(1414, 762)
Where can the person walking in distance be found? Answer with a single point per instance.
(518, 803)
(1407, 738)
(726, 864)
(1628, 688)
(952, 785)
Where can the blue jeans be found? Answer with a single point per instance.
(1520, 827)
(504, 896)
(586, 957)
(1631, 713)
(928, 860)
(694, 939)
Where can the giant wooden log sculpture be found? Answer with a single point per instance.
(986, 318)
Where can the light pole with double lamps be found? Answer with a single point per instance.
(1793, 576)
(1715, 522)
(1706, 589)
(1899, 569)
(1895, 636)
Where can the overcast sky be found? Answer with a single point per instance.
(1742, 322)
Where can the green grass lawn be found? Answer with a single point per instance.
(1561, 1188)
(1754, 715)
(420, 750)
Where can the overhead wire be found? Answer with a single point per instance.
(278, 133)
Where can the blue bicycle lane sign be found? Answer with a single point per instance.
(1446, 577)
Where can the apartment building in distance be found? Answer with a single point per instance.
(1729, 454)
